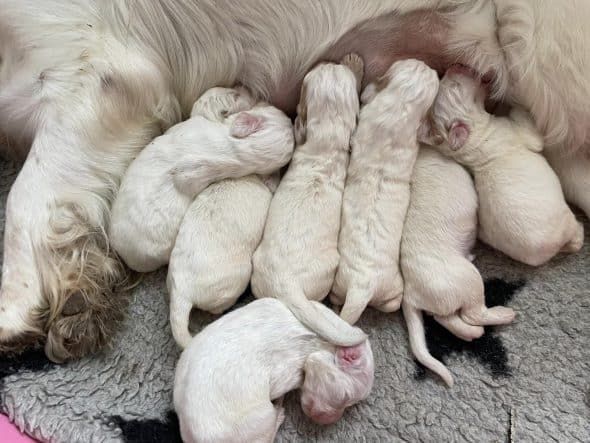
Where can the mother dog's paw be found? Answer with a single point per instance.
(84, 325)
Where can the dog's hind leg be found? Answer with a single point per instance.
(88, 119)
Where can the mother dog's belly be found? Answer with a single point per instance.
(380, 42)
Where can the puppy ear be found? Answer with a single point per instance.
(369, 93)
(458, 134)
(246, 124)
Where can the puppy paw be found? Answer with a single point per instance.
(356, 64)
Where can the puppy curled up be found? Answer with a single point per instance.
(377, 192)
(227, 136)
(439, 232)
(297, 258)
(232, 371)
(211, 263)
(522, 209)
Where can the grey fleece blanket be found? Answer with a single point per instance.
(529, 381)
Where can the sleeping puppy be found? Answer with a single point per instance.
(211, 262)
(214, 144)
(232, 371)
(377, 192)
(522, 210)
(439, 232)
(298, 256)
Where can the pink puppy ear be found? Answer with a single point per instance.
(246, 124)
(458, 134)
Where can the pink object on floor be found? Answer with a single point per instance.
(10, 433)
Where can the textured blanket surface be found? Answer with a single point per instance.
(529, 381)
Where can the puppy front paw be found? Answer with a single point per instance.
(356, 64)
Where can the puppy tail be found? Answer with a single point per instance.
(417, 335)
(180, 310)
(321, 320)
(355, 303)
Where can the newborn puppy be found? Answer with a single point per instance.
(171, 171)
(439, 278)
(522, 210)
(229, 375)
(298, 256)
(377, 192)
(211, 263)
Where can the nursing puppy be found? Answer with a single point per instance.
(298, 256)
(211, 262)
(377, 192)
(439, 233)
(170, 172)
(232, 371)
(522, 210)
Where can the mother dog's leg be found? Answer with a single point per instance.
(88, 117)
(573, 170)
(547, 50)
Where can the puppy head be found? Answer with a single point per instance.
(411, 81)
(329, 94)
(458, 107)
(216, 104)
(334, 382)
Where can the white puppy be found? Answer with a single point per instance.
(439, 233)
(170, 172)
(211, 263)
(298, 256)
(229, 375)
(522, 210)
(377, 192)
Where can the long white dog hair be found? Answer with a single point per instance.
(86, 84)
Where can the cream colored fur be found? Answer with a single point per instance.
(377, 191)
(170, 172)
(211, 262)
(522, 210)
(298, 255)
(439, 233)
(87, 84)
(230, 380)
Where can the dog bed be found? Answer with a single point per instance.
(529, 381)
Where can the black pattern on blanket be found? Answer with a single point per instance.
(524, 382)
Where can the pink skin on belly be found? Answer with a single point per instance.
(381, 42)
